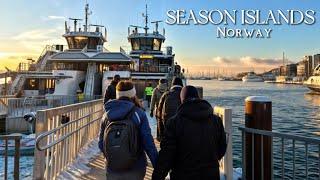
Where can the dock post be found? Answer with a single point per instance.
(258, 148)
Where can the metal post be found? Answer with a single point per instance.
(16, 158)
(258, 115)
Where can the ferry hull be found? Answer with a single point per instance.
(314, 88)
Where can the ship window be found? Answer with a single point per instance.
(135, 44)
(146, 44)
(156, 44)
(92, 43)
(80, 42)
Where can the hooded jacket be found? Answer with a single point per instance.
(118, 109)
(110, 92)
(156, 95)
(193, 143)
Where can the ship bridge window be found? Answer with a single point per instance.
(156, 44)
(146, 44)
(80, 42)
(135, 44)
(93, 42)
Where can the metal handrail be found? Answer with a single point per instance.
(17, 139)
(280, 135)
(44, 135)
(308, 153)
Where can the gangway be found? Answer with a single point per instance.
(64, 131)
(90, 77)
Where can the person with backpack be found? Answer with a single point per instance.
(125, 136)
(156, 95)
(168, 105)
(194, 141)
(110, 92)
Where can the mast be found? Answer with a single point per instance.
(146, 20)
(87, 13)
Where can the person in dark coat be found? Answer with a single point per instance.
(110, 92)
(156, 95)
(118, 109)
(168, 105)
(194, 141)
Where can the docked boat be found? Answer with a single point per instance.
(252, 77)
(313, 82)
(83, 69)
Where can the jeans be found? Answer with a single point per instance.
(129, 175)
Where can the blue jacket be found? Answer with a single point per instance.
(117, 109)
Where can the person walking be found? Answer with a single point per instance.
(148, 92)
(168, 104)
(156, 95)
(194, 141)
(110, 92)
(125, 136)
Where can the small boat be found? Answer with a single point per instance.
(313, 82)
(221, 78)
(252, 77)
(27, 145)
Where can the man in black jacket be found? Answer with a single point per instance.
(194, 141)
(168, 105)
(110, 92)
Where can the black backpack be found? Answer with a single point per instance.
(122, 143)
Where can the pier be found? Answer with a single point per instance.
(65, 133)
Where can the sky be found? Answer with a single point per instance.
(28, 26)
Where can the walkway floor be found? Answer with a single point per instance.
(98, 172)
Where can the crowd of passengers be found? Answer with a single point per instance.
(192, 139)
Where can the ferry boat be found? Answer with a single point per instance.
(88, 67)
(62, 74)
(151, 61)
(313, 82)
(252, 77)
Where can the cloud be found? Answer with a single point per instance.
(246, 61)
(56, 18)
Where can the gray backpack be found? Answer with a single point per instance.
(122, 143)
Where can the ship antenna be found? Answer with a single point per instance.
(87, 13)
(146, 19)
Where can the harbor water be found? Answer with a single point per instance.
(295, 111)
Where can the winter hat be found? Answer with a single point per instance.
(163, 81)
(177, 81)
(125, 89)
(189, 92)
(116, 77)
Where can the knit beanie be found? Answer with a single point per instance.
(189, 92)
(125, 89)
(177, 81)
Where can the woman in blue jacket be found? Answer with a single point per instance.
(118, 109)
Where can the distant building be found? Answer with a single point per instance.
(301, 69)
(309, 69)
(288, 70)
(316, 60)
(275, 71)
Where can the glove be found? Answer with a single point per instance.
(151, 114)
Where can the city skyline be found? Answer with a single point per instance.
(29, 27)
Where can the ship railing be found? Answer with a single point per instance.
(61, 133)
(5, 154)
(155, 69)
(18, 107)
(4, 103)
(292, 156)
